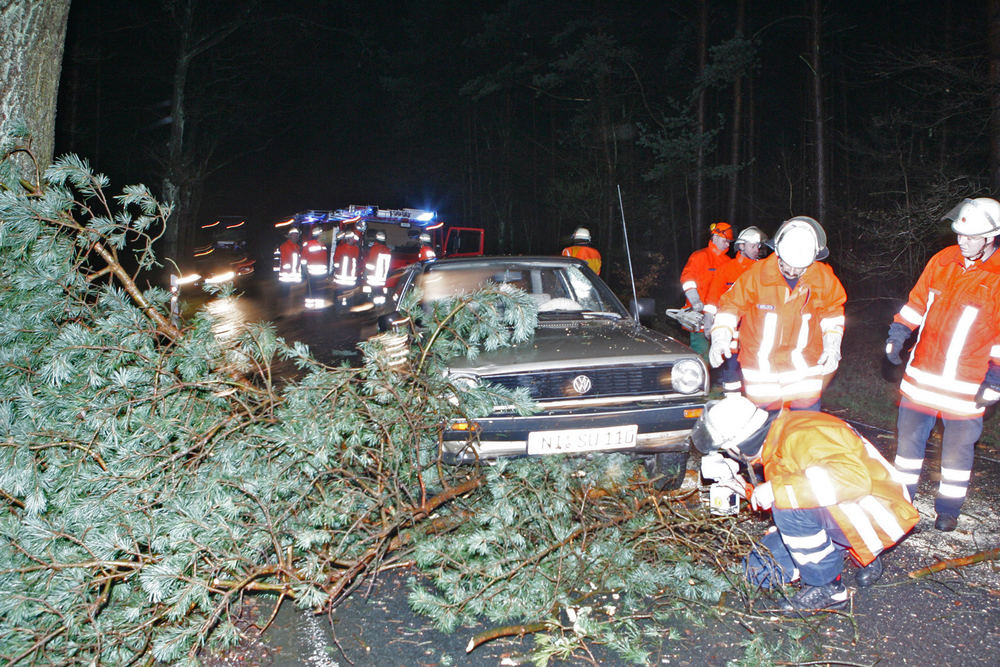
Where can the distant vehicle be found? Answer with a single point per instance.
(221, 254)
(604, 382)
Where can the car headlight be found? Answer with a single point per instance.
(687, 376)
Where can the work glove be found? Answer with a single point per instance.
(722, 338)
(898, 334)
(694, 299)
(762, 497)
(738, 485)
(830, 358)
(707, 322)
(989, 390)
(718, 467)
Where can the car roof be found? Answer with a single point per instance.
(540, 260)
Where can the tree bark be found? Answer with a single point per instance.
(994, 74)
(818, 109)
(32, 38)
(699, 187)
(737, 121)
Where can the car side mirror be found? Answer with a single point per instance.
(644, 307)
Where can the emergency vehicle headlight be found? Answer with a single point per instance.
(220, 278)
(688, 376)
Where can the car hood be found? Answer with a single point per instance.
(583, 344)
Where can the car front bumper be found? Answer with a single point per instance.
(663, 428)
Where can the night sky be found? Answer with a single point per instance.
(498, 114)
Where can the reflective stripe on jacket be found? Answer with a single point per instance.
(315, 256)
(345, 265)
(588, 254)
(377, 262)
(813, 459)
(956, 309)
(781, 330)
(288, 262)
(700, 269)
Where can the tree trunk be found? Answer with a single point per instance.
(32, 37)
(994, 74)
(699, 187)
(818, 110)
(737, 121)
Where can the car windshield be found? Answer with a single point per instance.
(559, 289)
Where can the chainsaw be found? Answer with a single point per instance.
(688, 318)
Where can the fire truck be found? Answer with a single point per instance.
(403, 229)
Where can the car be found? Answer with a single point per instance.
(602, 381)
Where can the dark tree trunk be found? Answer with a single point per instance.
(737, 122)
(818, 110)
(994, 74)
(32, 38)
(699, 188)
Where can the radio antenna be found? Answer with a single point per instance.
(628, 257)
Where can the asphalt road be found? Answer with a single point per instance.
(949, 618)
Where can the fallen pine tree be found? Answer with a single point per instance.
(153, 474)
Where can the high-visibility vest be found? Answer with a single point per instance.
(700, 268)
(588, 254)
(345, 265)
(957, 310)
(377, 263)
(781, 330)
(813, 459)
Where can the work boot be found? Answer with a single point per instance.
(869, 574)
(814, 599)
(946, 523)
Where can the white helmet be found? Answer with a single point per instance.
(380, 237)
(976, 217)
(800, 241)
(425, 238)
(751, 235)
(293, 231)
(317, 231)
(727, 424)
(582, 234)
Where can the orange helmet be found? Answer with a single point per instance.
(723, 229)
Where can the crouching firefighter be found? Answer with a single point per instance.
(829, 491)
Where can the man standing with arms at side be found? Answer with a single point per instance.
(954, 370)
(748, 245)
(789, 311)
(582, 249)
(697, 274)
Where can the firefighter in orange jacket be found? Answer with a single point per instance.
(289, 256)
(378, 260)
(954, 370)
(315, 254)
(582, 249)
(697, 274)
(789, 310)
(829, 490)
(748, 246)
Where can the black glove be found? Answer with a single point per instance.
(989, 390)
(898, 334)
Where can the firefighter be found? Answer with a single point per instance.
(346, 260)
(954, 368)
(829, 490)
(426, 249)
(315, 254)
(289, 256)
(698, 272)
(748, 248)
(582, 249)
(378, 259)
(789, 312)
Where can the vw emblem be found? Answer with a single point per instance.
(582, 384)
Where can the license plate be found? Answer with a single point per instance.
(582, 440)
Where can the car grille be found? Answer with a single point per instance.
(604, 382)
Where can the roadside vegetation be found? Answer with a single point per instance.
(154, 476)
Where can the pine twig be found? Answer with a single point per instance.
(954, 563)
(507, 631)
